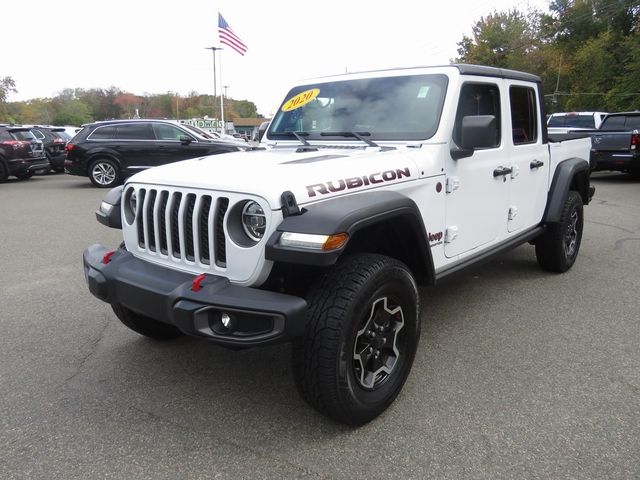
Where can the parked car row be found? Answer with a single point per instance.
(21, 154)
(615, 137)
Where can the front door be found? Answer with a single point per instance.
(477, 196)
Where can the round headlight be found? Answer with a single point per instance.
(130, 204)
(133, 203)
(254, 221)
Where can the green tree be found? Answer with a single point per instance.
(74, 112)
(596, 66)
(504, 40)
(7, 86)
(245, 108)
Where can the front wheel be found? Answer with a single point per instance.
(144, 325)
(362, 333)
(104, 173)
(557, 248)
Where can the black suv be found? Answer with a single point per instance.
(21, 154)
(54, 140)
(106, 152)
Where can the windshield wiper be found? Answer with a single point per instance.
(299, 135)
(359, 135)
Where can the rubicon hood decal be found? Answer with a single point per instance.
(357, 182)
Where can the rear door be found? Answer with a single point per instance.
(529, 158)
(135, 145)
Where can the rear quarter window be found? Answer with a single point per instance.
(22, 135)
(613, 123)
(134, 131)
(103, 133)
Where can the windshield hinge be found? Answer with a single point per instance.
(289, 204)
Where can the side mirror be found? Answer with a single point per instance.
(262, 129)
(184, 140)
(477, 131)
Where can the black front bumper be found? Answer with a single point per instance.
(257, 317)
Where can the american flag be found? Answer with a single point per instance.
(228, 37)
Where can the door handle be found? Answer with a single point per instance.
(502, 171)
(536, 164)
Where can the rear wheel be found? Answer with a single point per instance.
(4, 173)
(104, 173)
(362, 334)
(145, 325)
(557, 249)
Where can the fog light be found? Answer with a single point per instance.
(221, 323)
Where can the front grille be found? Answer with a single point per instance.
(185, 224)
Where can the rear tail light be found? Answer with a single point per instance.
(635, 140)
(69, 147)
(16, 144)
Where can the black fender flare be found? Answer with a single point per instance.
(112, 217)
(571, 172)
(349, 214)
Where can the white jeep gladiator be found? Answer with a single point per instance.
(367, 186)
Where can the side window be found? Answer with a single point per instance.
(39, 135)
(633, 122)
(524, 115)
(478, 99)
(4, 135)
(168, 132)
(103, 133)
(613, 123)
(134, 131)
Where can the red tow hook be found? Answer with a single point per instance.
(196, 286)
(107, 257)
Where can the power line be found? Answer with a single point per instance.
(565, 94)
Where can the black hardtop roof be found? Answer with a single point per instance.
(468, 69)
(464, 69)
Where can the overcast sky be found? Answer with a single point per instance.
(144, 46)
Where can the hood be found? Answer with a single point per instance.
(310, 175)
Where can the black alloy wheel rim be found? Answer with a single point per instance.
(376, 349)
(571, 235)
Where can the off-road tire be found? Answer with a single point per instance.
(104, 173)
(341, 307)
(557, 248)
(145, 325)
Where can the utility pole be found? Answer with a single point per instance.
(213, 51)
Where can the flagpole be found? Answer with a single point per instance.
(213, 51)
(223, 131)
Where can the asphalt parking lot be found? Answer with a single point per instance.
(519, 374)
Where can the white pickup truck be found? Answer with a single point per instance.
(368, 186)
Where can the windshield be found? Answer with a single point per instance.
(391, 108)
(579, 121)
(197, 131)
(63, 135)
(22, 135)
